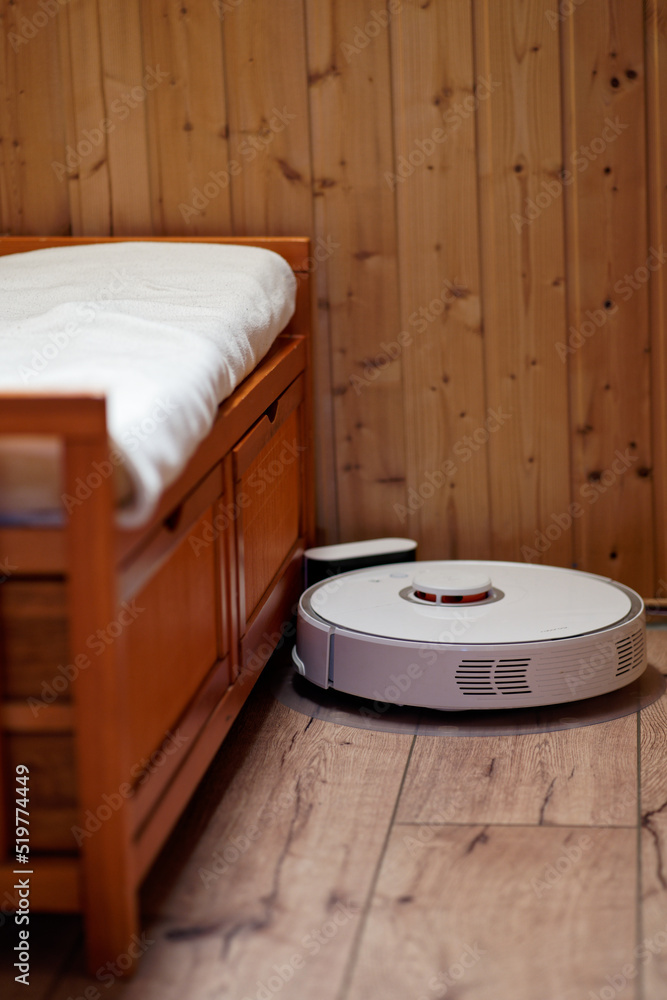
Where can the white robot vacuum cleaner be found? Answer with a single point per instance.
(456, 635)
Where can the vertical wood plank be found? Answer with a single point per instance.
(268, 118)
(124, 71)
(653, 844)
(523, 264)
(270, 147)
(607, 251)
(656, 91)
(435, 95)
(187, 122)
(351, 131)
(32, 198)
(86, 167)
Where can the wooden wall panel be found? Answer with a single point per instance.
(125, 70)
(603, 58)
(656, 97)
(87, 159)
(33, 200)
(187, 121)
(523, 279)
(301, 118)
(350, 87)
(270, 146)
(265, 63)
(443, 361)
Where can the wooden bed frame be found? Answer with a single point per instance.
(125, 656)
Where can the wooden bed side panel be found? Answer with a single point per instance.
(170, 642)
(269, 524)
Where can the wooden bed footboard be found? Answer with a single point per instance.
(125, 656)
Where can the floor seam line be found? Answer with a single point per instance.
(639, 916)
(346, 981)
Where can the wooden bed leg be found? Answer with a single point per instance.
(99, 692)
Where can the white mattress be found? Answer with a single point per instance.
(165, 330)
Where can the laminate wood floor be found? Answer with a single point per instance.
(325, 862)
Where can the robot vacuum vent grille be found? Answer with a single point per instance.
(490, 677)
(630, 653)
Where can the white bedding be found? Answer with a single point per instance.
(165, 330)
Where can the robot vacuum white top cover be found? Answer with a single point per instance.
(469, 634)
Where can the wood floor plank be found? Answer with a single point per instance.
(656, 647)
(654, 837)
(273, 889)
(470, 913)
(584, 776)
(654, 903)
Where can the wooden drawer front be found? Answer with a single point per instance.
(53, 802)
(33, 639)
(268, 495)
(172, 643)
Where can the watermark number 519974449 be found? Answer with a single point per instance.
(22, 885)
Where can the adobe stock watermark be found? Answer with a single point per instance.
(364, 34)
(6, 570)
(643, 953)
(324, 248)
(595, 319)
(59, 340)
(312, 943)
(553, 872)
(581, 160)
(272, 641)
(108, 973)
(256, 485)
(400, 682)
(566, 8)
(397, 686)
(226, 857)
(452, 118)
(589, 492)
(441, 982)
(132, 440)
(31, 26)
(425, 832)
(119, 110)
(419, 320)
(140, 772)
(249, 147)
(464, 449)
